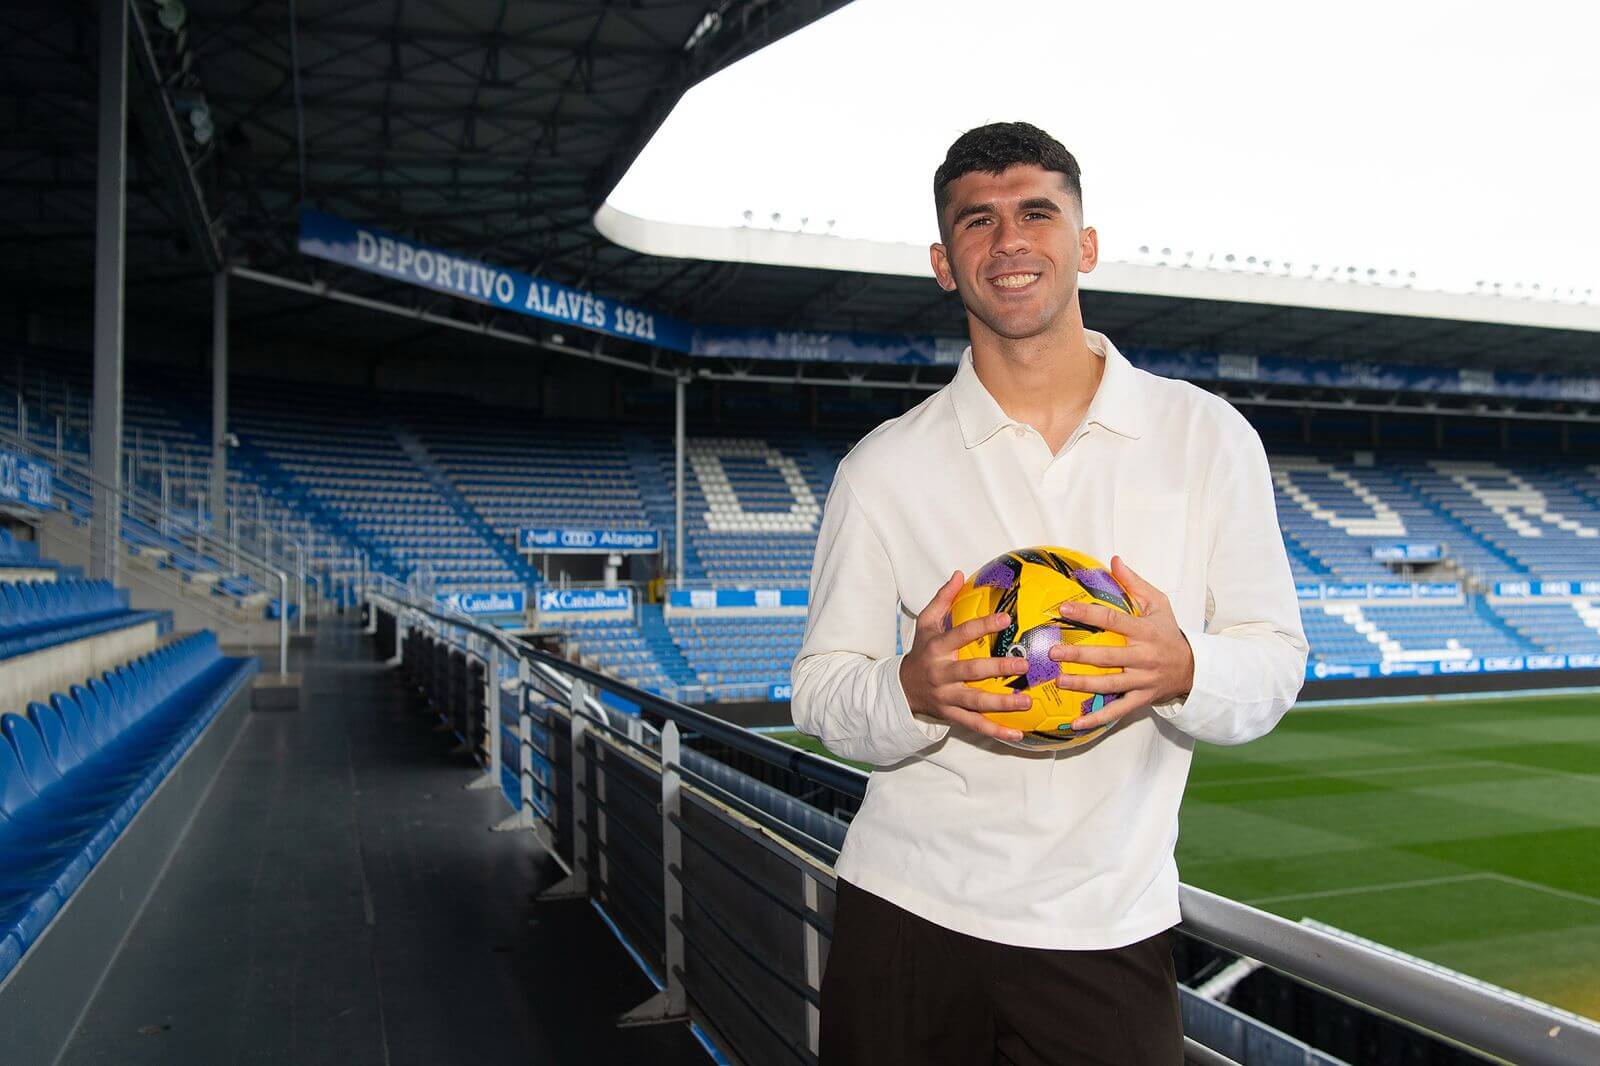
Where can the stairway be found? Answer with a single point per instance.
(648, 461)
(419, 455)
(653, 627)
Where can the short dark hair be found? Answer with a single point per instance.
(994, 148)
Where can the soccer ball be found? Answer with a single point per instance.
(1029, 584)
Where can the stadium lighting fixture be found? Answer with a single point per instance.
(173, 14)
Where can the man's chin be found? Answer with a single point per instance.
(1017, 327)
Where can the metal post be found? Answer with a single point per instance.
(283, 623)
(233, 539)
(219, 388)
(109, 250)
(491, 714)
(61, 444)
(399, 655)
(671, 1004)
(300, 579)
(678, 434)
(576, 884)
(813, 955)
(526, 816)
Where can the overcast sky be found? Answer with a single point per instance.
(1456, 140)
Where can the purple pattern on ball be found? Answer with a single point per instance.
(1101, 585)
(1035, 645)
(999, 574)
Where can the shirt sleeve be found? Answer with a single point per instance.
(847, 689)
(1250, 655)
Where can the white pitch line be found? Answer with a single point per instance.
(1577, 897)
(1356, 890)
(1374, 772)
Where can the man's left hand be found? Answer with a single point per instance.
(1157, 663)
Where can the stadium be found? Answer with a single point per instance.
(407, 527)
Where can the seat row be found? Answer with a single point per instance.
(40, 614)
(75, 772)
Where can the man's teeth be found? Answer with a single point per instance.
(1016, 281)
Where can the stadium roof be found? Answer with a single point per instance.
(494, 128)
(1371, 155)
(497, 130)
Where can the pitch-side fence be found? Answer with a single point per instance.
(722, 886)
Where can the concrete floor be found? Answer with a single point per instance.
(338, 899)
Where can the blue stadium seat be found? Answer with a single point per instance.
(74, 772)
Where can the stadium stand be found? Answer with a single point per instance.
(434, 489)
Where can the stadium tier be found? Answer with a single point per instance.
(100, 706)
(1400, 555)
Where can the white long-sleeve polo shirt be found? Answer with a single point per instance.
(1068, 849)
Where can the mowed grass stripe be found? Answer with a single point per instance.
(1474, 832)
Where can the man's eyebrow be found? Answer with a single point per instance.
(1040, 203)
(973, 209)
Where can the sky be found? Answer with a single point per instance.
(1454, 140)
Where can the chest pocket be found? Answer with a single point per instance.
(1150, 532)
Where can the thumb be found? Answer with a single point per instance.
(933, 616)
(1143, 593)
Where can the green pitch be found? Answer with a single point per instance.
(1467, 833)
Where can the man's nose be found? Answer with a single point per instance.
(1008, 239)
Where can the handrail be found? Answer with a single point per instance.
(1477, 1017)
(217, 547)
(845, 779)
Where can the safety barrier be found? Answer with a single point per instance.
(722, 886)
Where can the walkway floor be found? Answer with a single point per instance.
(338, 899)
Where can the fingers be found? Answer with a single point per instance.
(1121, 707)
(1107, 684)
(1146, 594)
(979, 724)
(969, 631)
(978, 669)
(1099, 655)
(1100, 616)
(931, 619)
(973, 699)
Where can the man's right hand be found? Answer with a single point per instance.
(935, 681)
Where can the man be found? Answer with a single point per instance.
(997, 905)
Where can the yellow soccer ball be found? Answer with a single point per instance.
(1029, 584)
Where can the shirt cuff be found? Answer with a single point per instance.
(1199, 704)
(900, 728)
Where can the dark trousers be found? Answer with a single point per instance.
(899, 989)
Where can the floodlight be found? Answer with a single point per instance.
(172, 14)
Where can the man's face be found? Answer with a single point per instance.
(1014, 244)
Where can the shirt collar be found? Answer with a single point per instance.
(1115, 405)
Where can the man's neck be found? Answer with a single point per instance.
(1046, 381)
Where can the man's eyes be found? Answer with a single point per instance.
(1045, 215)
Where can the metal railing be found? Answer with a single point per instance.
(78, 495)
(723, 887)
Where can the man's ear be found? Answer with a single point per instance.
(1088, 249)
(941, 267)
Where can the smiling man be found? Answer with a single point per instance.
(996, 905)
